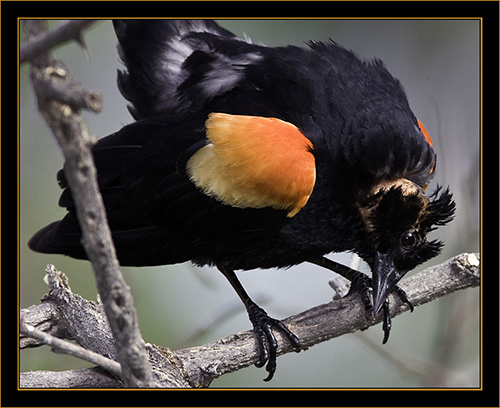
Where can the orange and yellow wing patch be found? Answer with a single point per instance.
(254, 162)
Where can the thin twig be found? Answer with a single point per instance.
(63, 346)
(67, 315)
(67, 31)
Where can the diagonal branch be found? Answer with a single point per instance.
(49, 77)
(199, 366)
(336, 318)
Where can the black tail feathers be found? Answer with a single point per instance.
(60, 237)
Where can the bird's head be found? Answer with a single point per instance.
(397, 216)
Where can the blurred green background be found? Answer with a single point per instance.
(438, 63)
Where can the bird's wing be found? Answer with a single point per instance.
(178, 65)
(169, 198)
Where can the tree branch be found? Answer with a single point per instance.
(43, 42)
(84, 378)
(50, 81)
(199, 366)
(67, 315)
(63, 346)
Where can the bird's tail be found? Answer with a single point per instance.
(60, 237)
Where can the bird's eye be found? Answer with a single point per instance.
(408, 240)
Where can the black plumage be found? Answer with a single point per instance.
(372, 161)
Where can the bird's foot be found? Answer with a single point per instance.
(262, 326)
(362, 284)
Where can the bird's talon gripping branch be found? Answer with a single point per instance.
(387, 324)
(262, 326)
(404, 297)
(363, 284)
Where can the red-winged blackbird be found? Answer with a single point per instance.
(244, 156)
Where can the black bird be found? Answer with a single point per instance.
(244, 156)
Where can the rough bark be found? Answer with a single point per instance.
(60, 101)
(66, 314)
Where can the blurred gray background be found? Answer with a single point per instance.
(438, 63)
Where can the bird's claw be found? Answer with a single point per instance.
(362, 284)
(404, 297)
(263, 325)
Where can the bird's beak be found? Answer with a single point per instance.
(385, 277)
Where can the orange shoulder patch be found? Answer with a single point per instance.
(429, 141)
(424, 132)
(254, 162)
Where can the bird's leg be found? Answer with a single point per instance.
(359, 281)
(262, 325)
(362, 284)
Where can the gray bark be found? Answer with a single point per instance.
(66, 314)
(60, 101)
